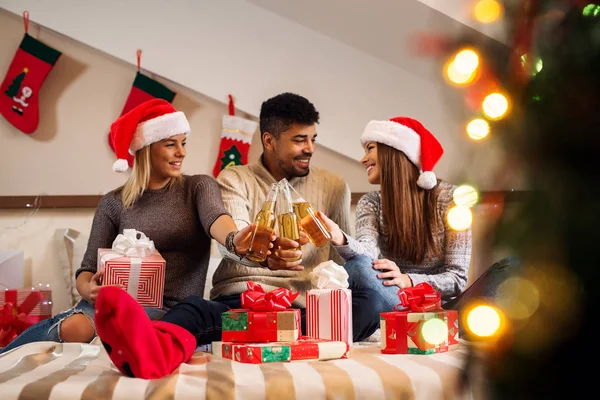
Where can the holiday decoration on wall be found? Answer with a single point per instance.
(236, 137)
(26, 74)
(143, 89)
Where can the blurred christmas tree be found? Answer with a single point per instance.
(551, 77)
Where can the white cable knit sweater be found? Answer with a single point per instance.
(244, 189)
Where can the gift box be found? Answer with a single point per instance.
(134, 263)
(304, 348)
(414, 332)
(21, 308)
(329, 314)
(241, 325)
(329, 304)
(419, 325)
(453, 338)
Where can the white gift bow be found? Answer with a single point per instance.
(129, 245)
(329, 275)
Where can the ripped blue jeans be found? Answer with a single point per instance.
(49, 330)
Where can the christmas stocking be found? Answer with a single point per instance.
(139, 347)
(26, 74)
(143, 89)
(236, 137)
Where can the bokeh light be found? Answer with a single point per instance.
(495, 105)
(435, 331)
(487, 11)
(518, 298)
(478, 129)
(466, 61)
(465, 195)
(456, 76)
(484, 321)
(460, 218)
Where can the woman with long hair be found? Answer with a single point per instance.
(179, 213)
(402, 234)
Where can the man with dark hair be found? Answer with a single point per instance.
(288, 132)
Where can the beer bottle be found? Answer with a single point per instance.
(265, 226)
(288, 222)
(313, 226)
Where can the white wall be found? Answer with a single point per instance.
(232, 46)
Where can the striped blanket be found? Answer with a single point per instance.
(47, 370)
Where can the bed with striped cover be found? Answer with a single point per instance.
(48, 370)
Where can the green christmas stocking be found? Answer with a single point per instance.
(26, 74)
(236, 138)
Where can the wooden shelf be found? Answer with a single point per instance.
(91, 201)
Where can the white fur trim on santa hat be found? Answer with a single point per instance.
(427, 180)
(394, 135)
(120, 165)
(159, 128)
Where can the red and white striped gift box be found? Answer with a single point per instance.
(329, 314)
(150, 276)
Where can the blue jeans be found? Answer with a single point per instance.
(49, 329)
(363, 276)
(202, 318)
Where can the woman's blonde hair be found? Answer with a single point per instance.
(139, 179)
(409, 211)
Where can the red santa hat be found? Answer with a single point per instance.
(150, 122)
(413, 139)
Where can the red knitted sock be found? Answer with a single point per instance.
(137, 346)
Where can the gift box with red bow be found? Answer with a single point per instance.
(21, 308)
(303, 349)
(265, 317)
(420, 325)
(134, 263)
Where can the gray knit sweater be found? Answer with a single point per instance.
(447, 273)
(177, 220)
(244, 190)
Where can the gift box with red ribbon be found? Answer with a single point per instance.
(329, 314)
(134, 263)
(21, 308)
(265, 317)
(302, 349)
(419, 325)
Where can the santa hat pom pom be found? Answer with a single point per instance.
(120, 165)
(427, 180)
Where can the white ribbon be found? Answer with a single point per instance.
(128, 244)
(329, 275)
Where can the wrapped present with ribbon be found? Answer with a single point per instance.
(418, 325)
(264, 317)
(329, 305)
(21, 308)
(134, 263)
(304, 348)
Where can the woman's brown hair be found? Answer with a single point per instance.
(410, 212)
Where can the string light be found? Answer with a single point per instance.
(462, 68)
(495, 106)
(478, 129)
(487, 11)
(465, 195)
(460, 218)
(484, 321)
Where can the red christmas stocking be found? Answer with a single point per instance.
(143, 89)
(236, 138)
(139, 347)
(26, 74)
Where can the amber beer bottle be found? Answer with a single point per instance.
(265, 226)
(286, 218)
(310, 222)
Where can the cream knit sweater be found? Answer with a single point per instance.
(244, 189)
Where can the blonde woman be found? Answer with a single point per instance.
(179, 213)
